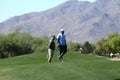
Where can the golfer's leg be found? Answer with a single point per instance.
(49, 55)
(60, 53)
(64, 50)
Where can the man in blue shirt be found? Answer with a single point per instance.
(61, 44)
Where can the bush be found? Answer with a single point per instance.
(73, 46)
(19, 43)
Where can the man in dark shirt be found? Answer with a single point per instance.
(51, 48)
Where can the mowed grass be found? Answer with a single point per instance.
(75, 67)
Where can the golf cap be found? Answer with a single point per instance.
(62, 30)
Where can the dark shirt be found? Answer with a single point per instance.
(52, 44)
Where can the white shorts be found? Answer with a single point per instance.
(50, 53)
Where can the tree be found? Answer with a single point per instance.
(109, 45)
(87, 47)
(113, 43)
(100, 46)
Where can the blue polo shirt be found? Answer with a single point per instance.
(62, 39)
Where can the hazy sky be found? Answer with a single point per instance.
(10, 8)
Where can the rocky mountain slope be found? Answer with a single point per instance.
(82, 20)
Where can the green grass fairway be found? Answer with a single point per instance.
(75, 67)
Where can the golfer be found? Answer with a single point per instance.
(61, 39)
(51, 48)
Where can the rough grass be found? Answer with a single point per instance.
(75, 67)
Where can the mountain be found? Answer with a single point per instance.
(82, 20)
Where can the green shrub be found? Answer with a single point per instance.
(73, 46)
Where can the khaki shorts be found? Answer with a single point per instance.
(50, 53)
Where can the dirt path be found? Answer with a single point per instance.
(115, 59)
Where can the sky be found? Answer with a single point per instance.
(10, 8)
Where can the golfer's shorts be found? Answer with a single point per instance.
(50, 53)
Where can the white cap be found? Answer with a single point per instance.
(62, 30)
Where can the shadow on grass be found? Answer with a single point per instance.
(117, 79)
